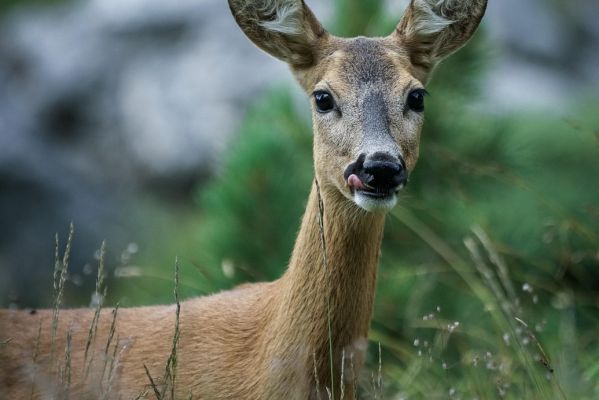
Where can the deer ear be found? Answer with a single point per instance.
(286, 29)
(430, 30)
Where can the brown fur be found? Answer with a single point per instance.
(264, 340)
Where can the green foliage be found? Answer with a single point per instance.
(251, 213)
(6, 5)
(356, 17)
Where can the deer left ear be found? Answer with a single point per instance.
(285, 29)
(431, 30)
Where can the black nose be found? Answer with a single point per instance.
(380, 172)
(384, 175)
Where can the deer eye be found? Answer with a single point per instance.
(416, 100)
(324, 101)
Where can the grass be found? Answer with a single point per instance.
(323, 245)
(62, 375)
(524, 371)
(167, 388)
(60, 277)
(99, 295)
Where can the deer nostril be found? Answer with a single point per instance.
(384, 174)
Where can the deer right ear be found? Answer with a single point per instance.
(286, 29)
(430, 30)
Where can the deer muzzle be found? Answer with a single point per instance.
(377, 175)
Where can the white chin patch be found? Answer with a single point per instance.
(370, 203)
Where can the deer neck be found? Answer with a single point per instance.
(343, 288)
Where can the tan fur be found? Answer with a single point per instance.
(264, 340)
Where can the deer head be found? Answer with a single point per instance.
(367, 93)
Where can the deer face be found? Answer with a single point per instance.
(368, 113)
(367, 94)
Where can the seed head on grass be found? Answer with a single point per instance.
(507, 318)
(497, 260)
(60, 277)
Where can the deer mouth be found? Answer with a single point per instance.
(375, 181)
(372, 198)
(357, 185)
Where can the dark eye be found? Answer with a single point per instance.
(324, 101)
(416, 100)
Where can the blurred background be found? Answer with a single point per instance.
(159, 128)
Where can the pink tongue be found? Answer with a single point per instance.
(355, 182)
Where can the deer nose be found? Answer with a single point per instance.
(384, 172)
(380, 172)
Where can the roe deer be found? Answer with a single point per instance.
(276, 340)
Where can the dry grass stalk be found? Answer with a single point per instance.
(114, 361)
(60, 277)
(328, 295)
(153, 384)
(170, 373)
(342, 383)
(142, 395)
(380, 371)
(508, 311)
(316, 377)
(65, 375)
(497, 260)
(107, 348)
(36, 352)
(93, 328)
(353, 377)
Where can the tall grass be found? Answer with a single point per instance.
(60, 276)
(166, 388)
(327, 299)
(60, 375)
